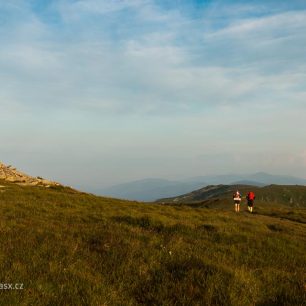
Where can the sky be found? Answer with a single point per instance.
(99, 92)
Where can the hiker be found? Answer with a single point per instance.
(250, 198)
(237, 200)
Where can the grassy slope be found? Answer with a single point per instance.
(70, 248)
(272, 195)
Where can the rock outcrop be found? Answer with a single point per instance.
(10, 174)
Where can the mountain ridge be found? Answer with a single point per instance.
(153, 189)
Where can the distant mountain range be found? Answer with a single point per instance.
(153, 189)
(150, 189)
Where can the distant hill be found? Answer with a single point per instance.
(150, 189)
(269, 179)
(211, 192)
(153, 189)
(257, 179)
(249, 183)
(221, 195)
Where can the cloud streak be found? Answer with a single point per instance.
(155, 67)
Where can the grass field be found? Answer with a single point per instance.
(220, 196)
(71, 248)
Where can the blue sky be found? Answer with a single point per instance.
(95, 93)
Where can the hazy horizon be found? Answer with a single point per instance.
(97, 93)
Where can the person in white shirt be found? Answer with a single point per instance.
(237, 200)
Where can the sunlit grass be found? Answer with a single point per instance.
(71, 248)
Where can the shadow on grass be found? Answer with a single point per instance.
(188, 280)
(207, 228)
(152, 225)
(275, 228)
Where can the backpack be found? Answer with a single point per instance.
(251, 195)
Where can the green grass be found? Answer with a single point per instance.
(71, 248)
(221, 195)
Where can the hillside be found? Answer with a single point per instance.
(11, 174)
(73, 248)
(216, 195)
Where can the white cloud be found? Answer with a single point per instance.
(280, 23)
(73, 11)
(154, 69)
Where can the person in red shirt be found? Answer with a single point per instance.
(250, 198)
